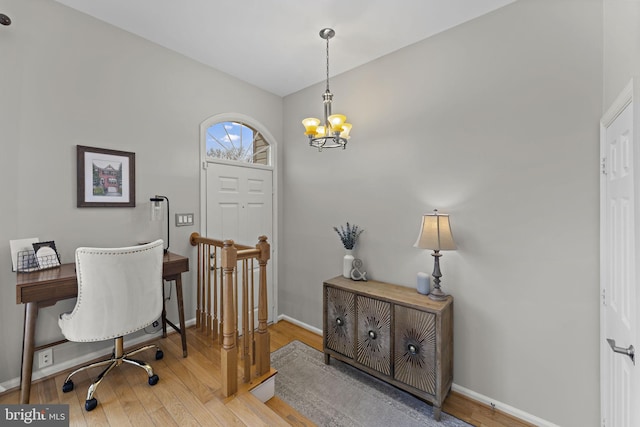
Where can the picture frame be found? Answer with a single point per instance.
(106, 178)
(46, 254)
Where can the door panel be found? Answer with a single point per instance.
(240, 207)
(619, 227)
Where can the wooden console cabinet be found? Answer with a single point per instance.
(393, 333)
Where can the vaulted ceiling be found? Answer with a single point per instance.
(274, 44)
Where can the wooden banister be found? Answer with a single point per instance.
(221, 264)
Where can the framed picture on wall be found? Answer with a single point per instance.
(106, 178)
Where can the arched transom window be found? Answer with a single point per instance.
(237, 141)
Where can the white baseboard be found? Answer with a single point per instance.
(503, 407)
(84, 358)
(299, 323)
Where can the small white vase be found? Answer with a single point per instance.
(347, 263)
(423, 283)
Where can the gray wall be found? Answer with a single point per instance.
(66, 80)
(621, 46)
(496, 123)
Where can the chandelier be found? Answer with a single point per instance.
(333, 132)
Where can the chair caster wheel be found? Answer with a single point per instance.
(67, 387)
(90, 404)
(159, 354)
(153, 380)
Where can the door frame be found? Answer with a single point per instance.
(273, 240)
(630, 94)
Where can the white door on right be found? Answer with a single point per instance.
(619, 227)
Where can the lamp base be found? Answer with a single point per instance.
(436, 294)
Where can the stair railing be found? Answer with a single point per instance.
(221, 266)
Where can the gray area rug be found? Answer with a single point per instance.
(340, 395)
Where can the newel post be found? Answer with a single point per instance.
(228, 352)
(263, 363)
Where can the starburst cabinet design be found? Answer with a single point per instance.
(393, 333)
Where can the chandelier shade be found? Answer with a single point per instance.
(333, 132)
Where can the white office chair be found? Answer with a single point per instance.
(119, 292)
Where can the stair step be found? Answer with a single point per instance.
(253, 412)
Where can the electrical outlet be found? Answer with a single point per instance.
(45, 358)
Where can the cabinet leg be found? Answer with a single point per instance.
(437, 412)
(326, 358)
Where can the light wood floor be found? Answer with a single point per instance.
(189, 392)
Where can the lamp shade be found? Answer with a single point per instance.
(310, 125)
(156, 209)
(435, 233)
(346, 128)
(337, 120)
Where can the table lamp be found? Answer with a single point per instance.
(435, 234)
(156, 213)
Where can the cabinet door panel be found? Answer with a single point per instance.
(415, 348)
(341, 321)
(374, 329)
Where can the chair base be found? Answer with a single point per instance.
(117, 358)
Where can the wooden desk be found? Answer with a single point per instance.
(46, 287)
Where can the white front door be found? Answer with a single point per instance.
(619, 227)
(240, 208)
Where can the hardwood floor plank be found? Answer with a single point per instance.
(247, 417)
(164, 392)
(196, 371)
(287, 413)
(75, 399)
(130, 400)
(140, 387)
(109, 398)
(45, 391)
(184, 395)
(160, 417)
(253, 413)
(261, 410)
(223, 414)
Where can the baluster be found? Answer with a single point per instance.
(214, 291)
(199, 285)
(208, 290)
(245, 322)
(252, 326)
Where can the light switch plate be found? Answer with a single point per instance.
(183, 219)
